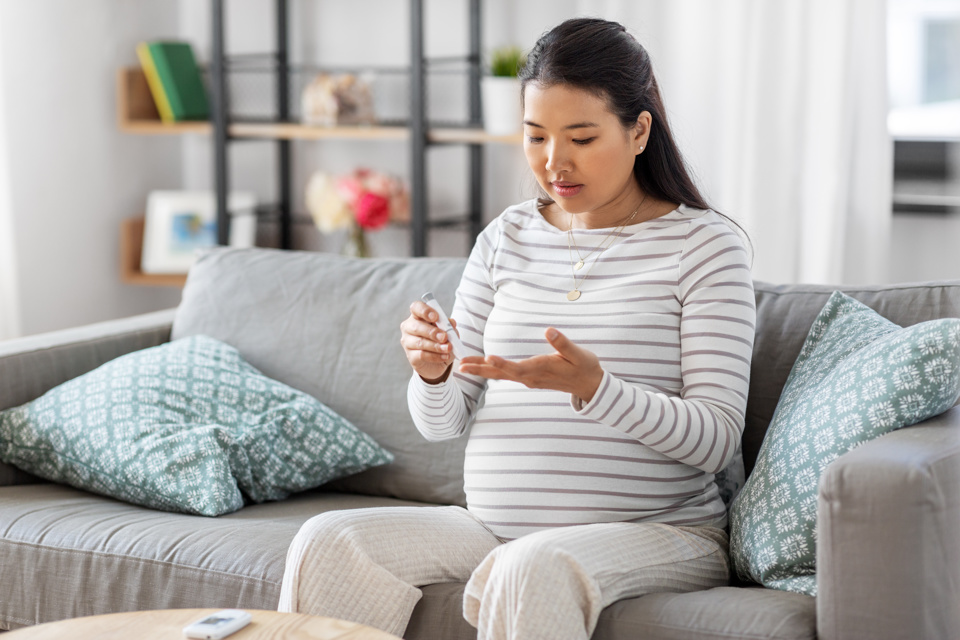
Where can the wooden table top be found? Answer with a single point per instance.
(168, 624)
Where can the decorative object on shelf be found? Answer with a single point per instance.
(358, 201)
(332, 99)
(500, 92)
(180, 222)
(175, 81)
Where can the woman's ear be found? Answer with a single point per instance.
(641, 132)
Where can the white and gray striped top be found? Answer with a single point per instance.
(669, 309)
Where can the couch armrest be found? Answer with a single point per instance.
(31, 366)
(888, 547)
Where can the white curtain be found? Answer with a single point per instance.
(9, 295)
(781, 108)
(9, 299)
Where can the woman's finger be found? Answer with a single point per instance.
(499, 368)
(564, 345)
(414, 327)
(414, 342)
(485, 371)
(423, 311)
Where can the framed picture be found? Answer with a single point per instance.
(180, 222)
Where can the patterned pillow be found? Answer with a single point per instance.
(857, 377)
(186, 426)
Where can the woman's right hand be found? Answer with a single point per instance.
(426, 346)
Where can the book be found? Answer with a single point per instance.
(180, 78)
(153, 81)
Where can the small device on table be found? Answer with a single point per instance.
(218, 625)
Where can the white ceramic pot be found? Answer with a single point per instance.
(501, 105)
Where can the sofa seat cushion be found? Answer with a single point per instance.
(723, 613)
(66, 553)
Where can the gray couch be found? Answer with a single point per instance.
(889, 511)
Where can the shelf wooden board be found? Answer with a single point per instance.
(473, 136)
(156, 127)
(137, 113)
(293, 131)
(131, 245)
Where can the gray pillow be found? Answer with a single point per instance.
(185, 426)
(330, 326)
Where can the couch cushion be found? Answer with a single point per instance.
(724, 613)
(66, 553)
(858, 376)
(184, 426)
(330, 326)
(784, 316)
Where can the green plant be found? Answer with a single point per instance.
(506, 62)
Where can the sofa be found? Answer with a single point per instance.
(888, 555)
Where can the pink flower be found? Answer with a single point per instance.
(372, 211)
(350, 189)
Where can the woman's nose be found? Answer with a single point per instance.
(557, 159)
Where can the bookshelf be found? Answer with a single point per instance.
(137, 114)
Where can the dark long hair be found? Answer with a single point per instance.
(599, 56)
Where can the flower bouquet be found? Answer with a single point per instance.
(359, 201)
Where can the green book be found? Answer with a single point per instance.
(178, 72)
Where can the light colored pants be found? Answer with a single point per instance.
(364, 565)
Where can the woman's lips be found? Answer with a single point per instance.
(566, 189)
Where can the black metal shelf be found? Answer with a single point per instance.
(285, 77)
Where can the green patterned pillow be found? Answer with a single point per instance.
(857, 377)
(186, 426)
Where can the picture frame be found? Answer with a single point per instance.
(179, 223)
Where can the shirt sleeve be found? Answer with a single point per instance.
(702, 427)
(443, 411)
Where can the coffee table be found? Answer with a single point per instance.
(168, 624)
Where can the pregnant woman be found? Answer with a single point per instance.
(608, 327)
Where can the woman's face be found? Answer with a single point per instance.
(578, 150)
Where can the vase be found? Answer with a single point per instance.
(356, 244)
(501, 105)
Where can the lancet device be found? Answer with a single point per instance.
(444, 324)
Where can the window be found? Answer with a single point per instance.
(924, 120)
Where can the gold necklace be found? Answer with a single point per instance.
(570, 237)
(574, 293)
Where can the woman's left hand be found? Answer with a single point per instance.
(571, 369)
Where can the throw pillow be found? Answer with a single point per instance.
(186, 426)
(857, 377)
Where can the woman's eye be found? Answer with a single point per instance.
(533, 140)
(584, 141)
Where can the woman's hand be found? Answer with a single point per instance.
(426, 346)
(571, 369)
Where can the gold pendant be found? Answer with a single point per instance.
(579, 265)
(573, 295)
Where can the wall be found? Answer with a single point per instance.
(72, 175)
(925, 247)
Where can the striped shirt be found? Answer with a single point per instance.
(669, 310)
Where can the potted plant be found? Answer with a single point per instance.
(500, 92)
